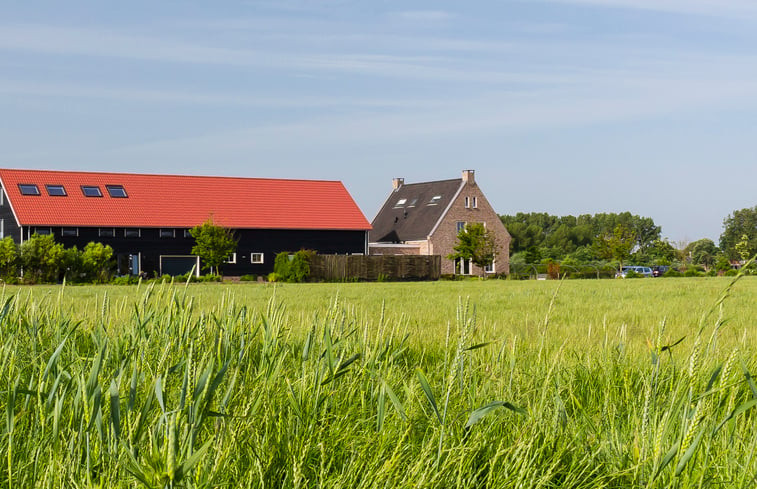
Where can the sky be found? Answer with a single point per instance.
(561, 106)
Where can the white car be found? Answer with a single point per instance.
(643, 271)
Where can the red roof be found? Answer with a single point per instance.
(182, 201)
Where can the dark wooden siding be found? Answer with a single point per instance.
(267, 241)
(10, 228)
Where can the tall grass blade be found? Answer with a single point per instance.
(428, 393)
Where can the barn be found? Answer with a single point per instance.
(146, 218)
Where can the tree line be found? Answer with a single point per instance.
(624, 238)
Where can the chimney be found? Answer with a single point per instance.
(397, 183)
(468, 176)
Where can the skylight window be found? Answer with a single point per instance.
(116, 191)
(91, 191)
(56, 190)
(435, 200)
(400, 203)
(412, 203)
(28, 189)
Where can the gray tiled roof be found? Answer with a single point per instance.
(415, 218)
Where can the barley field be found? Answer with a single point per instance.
(473, 384)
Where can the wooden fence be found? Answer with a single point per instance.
(335, 268)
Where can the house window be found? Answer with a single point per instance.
(460, 226)
(462, 266)
(467, 202)
(116, 191)
(28, 189)
(256, 257)
(475, 203)
(69, 232)
(188, 233)
(400, 203)
(232, 258)
(132, 233)
(435, 200)
(56, 190)
(91, 191)
(412, 203)
(490, 268)
(167, 233)
(106, 232)
(43, 231)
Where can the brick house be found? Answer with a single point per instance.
(425, 218)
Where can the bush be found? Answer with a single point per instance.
(292, 267)
(248, 278)
(274, 277)
(692, 272)
(633, 274)
(672, 273)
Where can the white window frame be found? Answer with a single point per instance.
(400, 203)
(138, 230)
(69, 234)
(491, 268)
(467, 202)
(43, 228)
(461, 228)
(256, 254)
(111, 234)
(475, 203)
(232, 258)
(188, 233)
(173, 233)
(462, 267)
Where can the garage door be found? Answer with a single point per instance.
(179, 264)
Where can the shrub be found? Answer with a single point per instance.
(293, 267)
(274, 277)
(248, 278)
(692, 272)
(633, 274)
(672, 273)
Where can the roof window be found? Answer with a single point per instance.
(116, 191)
(400, 203)
(435, 200)
(91, 191)
(56, 190)
(28, 189)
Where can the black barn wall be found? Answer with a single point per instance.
(267, 241)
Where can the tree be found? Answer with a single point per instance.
(97, 261)
(41, 258)
(214, 244)
(616, 245)
(735, 226)
(8, 258)
(703, 252)
(477, 244)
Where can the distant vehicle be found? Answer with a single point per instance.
(659, 270)
(643, 271)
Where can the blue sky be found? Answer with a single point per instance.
(561, 106)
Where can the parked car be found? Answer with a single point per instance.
(643, 271)
(659, 270)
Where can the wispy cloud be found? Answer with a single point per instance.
(716, 8)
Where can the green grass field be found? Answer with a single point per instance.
(613, 383)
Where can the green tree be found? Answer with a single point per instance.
(703, 252)
(8, 258)
(214, 244)
(42, 258)
(741, 223)
(616, 245)
(477, 244)
(97, 261)
(743, 248)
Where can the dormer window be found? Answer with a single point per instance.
(56, 190)
(91, 191)
(28, 189)
(116, 191)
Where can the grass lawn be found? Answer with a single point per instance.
(591, 384)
